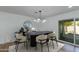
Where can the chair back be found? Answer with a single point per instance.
(41, 38)
(51, 36)
(18, 35)
(21, 37)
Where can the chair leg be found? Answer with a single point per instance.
(53, 44)
(56, 43)
(48, 47)
(16, 47)
(41, 47)
(26, 45)
(36, 48)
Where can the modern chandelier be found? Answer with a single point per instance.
(39, 19)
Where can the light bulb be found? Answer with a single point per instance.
(34, 20)
(43, 21)
(38, 20)
(33, 28)
(69, 6)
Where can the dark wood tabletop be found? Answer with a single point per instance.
(39, 32)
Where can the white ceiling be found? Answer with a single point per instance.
(30, 10)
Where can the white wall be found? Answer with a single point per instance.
(10, 23)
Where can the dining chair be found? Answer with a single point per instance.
(42, 39)
(20, 38)
(52, 37)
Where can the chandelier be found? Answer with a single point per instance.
(39, 19)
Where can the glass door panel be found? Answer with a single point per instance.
(77, 31)
(66, 30)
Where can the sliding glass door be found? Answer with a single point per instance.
(69, 30)
(66, 30)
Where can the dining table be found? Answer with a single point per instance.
(32, 36)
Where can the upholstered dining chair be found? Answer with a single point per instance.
(20, 38)
(52, 37)
(42, 39)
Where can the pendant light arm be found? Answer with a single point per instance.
(40, 14)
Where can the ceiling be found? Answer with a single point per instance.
(47, 11)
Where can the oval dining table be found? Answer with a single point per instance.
(32, 36)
